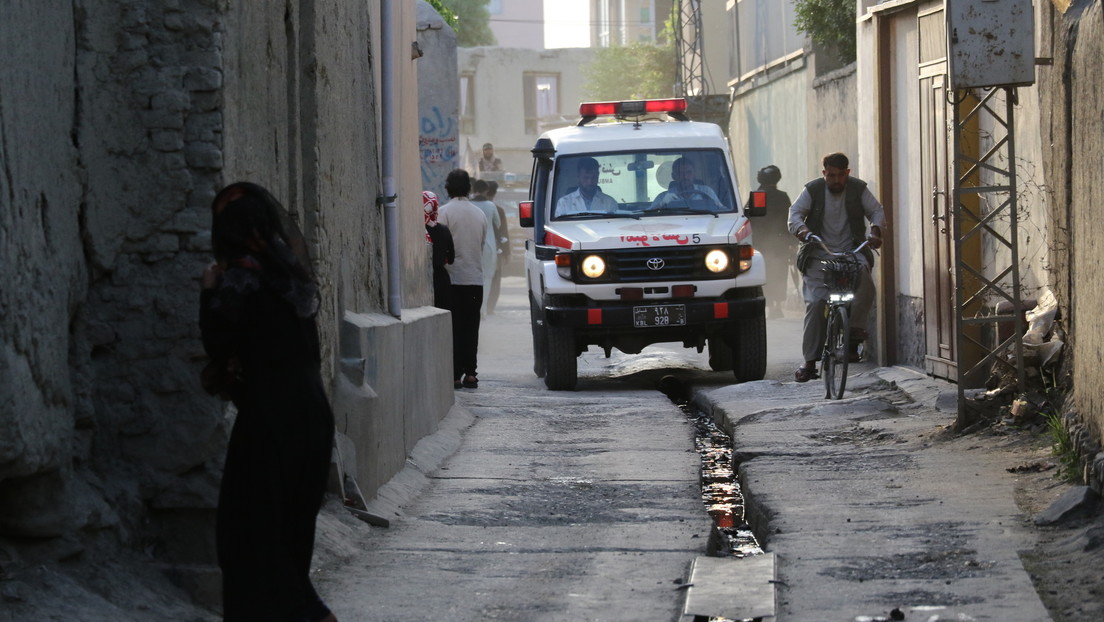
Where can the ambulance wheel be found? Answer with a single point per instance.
(749, 360)
(720, 353)
(562, 370)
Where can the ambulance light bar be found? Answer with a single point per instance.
(676, 107)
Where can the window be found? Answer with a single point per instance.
(764, 34)
(467, 104)
(542, 100)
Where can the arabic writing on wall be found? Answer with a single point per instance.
(438, 146)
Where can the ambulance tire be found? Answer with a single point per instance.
(720, 353)
(540, 339)
(749, 359)
(562, 371)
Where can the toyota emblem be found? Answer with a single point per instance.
(655, 263)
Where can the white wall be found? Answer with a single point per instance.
(520, 24)
(768, 126)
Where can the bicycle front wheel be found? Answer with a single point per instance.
(836, 353)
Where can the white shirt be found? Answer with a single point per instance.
(673, 194)
(468, 226)
(574, 202)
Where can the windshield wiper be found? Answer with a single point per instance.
(681, 210)
(597, 215)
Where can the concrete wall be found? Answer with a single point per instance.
(499, 112)
(438, 101)
(833, 120)
(769, 126)
(118, 123)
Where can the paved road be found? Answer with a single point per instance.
(580, 505)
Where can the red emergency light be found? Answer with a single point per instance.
(635, 108)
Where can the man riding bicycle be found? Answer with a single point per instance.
(835, 209)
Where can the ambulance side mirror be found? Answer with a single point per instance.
(525, 214)
(756, 204)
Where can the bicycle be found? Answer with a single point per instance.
(841, 274)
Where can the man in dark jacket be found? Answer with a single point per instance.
(774, 240)
(836, 209)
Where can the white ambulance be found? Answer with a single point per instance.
(640, 237)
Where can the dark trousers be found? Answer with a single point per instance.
(466, 302)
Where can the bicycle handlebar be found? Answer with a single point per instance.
(854, 251)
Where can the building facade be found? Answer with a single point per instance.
(517, 23)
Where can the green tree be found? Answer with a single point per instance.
(450, 17)
(637, 71)
(469, 18)
(829, 23)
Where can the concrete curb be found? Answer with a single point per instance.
(426, 457)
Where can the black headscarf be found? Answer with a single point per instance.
(251, 230)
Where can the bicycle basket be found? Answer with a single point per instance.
(841, 274)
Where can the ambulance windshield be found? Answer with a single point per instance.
(642, 184)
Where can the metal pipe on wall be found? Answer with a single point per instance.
(388, 133)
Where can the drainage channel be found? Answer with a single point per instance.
(721, 494)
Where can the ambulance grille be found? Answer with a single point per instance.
(660, 264)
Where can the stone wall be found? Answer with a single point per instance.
(1072, 91)
(119, 119)
(111, 126)
(44, 409)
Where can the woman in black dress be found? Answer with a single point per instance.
(257, 316)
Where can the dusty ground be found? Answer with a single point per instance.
(1067, 559)
(1065, 562)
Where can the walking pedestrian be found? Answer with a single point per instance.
(502, 239)
(490, 248)
(468, 226)
(773, 238)
(257, 317)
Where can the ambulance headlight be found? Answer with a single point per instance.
(593, 266)
(716, 261)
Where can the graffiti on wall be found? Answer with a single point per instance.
(438, 143)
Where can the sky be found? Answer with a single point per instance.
(566, 24)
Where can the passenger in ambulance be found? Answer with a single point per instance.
(588, 197)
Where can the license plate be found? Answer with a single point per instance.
(659, 315)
